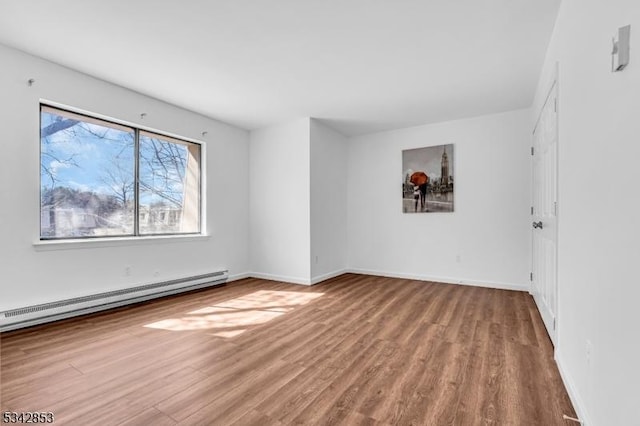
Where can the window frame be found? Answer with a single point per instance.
(137, 129)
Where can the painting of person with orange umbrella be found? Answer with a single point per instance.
(428, 179)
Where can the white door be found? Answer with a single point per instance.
(544, 212)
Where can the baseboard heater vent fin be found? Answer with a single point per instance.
(37, 314)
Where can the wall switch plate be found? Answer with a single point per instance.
(620, 52)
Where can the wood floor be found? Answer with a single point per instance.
(352, 350)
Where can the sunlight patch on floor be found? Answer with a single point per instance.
(233, 317)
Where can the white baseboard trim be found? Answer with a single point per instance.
(283, 278)
(446, 280)
(574, 396)
(320, 278)
(237, 277)
(324, 277)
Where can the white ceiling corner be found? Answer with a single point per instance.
(360, 65)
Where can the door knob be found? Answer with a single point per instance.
(537, 224)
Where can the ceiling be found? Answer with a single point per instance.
(359, 65)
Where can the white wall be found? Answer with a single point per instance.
(489, 229)
(599, 202)
(280, 202)
(328, 202)
(31, 275)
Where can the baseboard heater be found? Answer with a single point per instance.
(47, 312)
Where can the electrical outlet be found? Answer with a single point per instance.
(588, 351)
(127, 271)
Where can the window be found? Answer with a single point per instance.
(102, 179)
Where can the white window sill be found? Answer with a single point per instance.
(45, 245)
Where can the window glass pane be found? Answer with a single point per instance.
(86, 176)
(169, 185)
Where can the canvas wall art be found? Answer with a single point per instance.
(428, 179)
